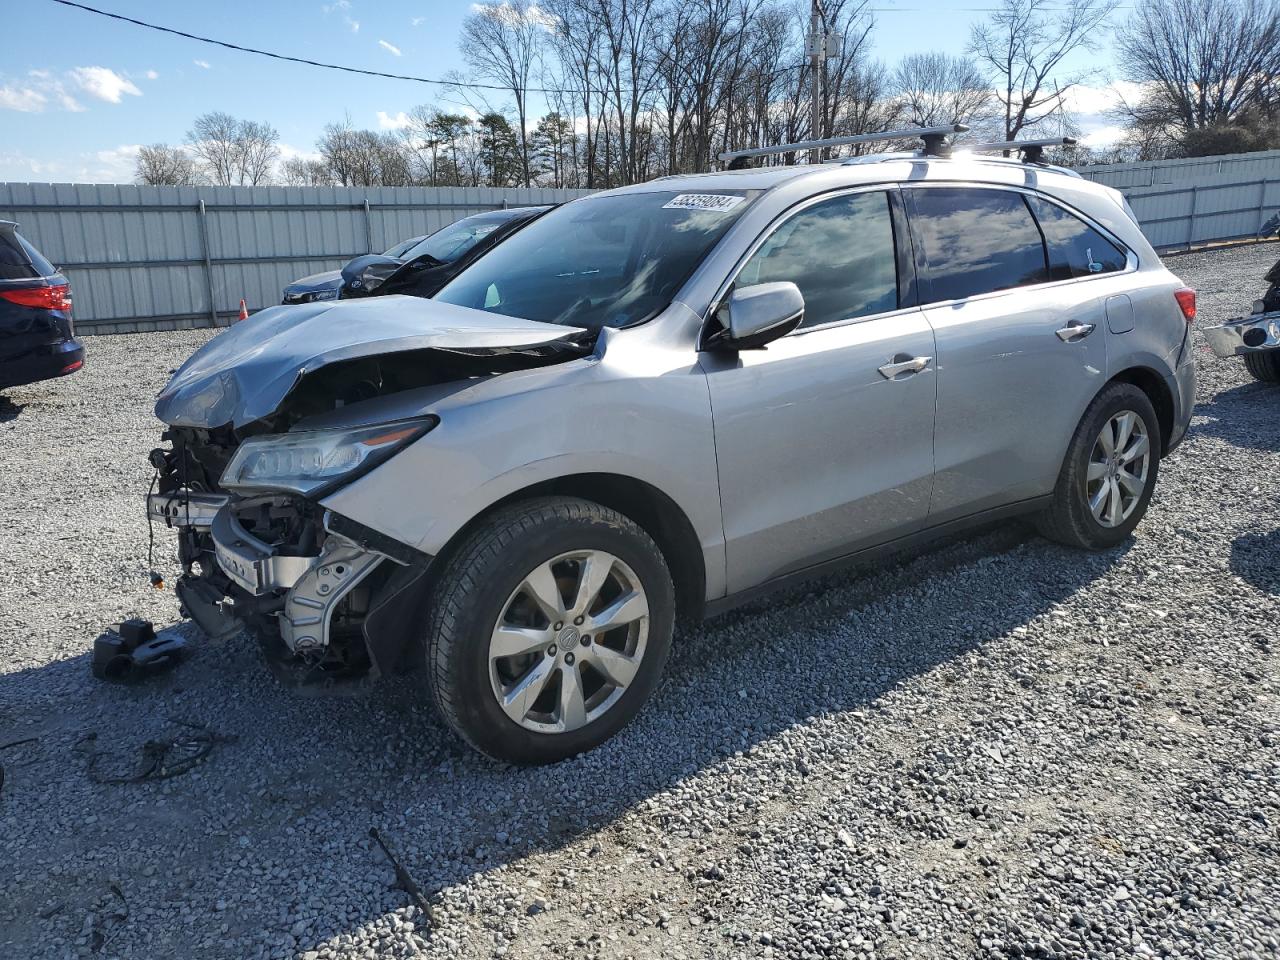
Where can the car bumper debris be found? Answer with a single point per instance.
(1243, 335)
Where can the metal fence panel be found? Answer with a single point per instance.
(144, 257)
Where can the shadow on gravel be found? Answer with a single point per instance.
(304, 779)
(9, 410)
(1255, 557)
(1245, 416)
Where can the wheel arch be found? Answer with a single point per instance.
(652, 509)
(1157, 390)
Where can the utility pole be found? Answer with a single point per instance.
(817, 54)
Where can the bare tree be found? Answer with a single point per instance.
(301, 172)
(364, 158)
(212, 139)
(1025, 43)
(501, 41)
(233, 151)
(165, 165)
(1208, 70)
(932, 89)
(257, 152)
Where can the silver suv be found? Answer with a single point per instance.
(658, 402)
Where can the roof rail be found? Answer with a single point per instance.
(935, 143)
(1032, 150)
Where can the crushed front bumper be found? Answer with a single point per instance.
(297, 598)
(1251, 334)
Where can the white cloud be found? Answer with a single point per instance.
(290, 152)
(22, 99)
(417, 21)
(398, 121)
(1103, 136)
(42, 90)
(152, 75)
(202, 64)
(115, 165)
(105, 84)
(343, 6)
(390, 48)
(506, 13)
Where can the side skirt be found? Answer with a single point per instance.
(713, 608)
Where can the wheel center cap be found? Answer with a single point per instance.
(568, 638)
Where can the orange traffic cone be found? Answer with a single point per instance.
(244, 311)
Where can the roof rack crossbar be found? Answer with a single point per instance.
(1032, 150)
(934, 141)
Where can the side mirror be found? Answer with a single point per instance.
(762, 313)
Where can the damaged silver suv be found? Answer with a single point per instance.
(658, 402)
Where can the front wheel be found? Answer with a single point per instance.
(549, 628)
(1109, 472)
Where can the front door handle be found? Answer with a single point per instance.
(904, 364)
(1075, 330)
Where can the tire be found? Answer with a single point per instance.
(485, 584)
(1264, 366)
(1071, 519)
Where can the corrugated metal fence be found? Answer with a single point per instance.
(142, 257)
(1187, 203)
(164, 257)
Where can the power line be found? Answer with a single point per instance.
(345, 69)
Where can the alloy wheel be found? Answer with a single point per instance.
(1118, 466)
(569, 641)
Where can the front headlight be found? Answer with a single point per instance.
(309, 461)
(323, 295)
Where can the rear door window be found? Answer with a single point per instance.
(840, 254)
(976, 241)
(1075, 248)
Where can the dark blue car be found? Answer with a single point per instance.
(37, 341)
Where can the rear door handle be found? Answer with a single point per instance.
(1075, 330)
(903, 364)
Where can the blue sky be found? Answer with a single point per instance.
(76, 109)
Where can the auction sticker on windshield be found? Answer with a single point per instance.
(719, 202)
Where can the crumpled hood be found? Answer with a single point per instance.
(243, 374)
(317, 281)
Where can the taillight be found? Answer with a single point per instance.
(42, 298)
(1186, 298)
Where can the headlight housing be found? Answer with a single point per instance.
(315, 461)
(330, 294)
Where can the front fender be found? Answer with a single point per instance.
(649, 420)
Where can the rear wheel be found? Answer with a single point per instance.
(548, 630)
(1109, 472)
(1264, 366)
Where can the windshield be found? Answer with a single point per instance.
(399, 249)
(453, 241)
(607, 261)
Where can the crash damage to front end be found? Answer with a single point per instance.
(244, 470)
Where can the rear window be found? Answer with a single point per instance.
(19, 260)
(976, 241)
(1075, 248)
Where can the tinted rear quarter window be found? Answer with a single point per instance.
(976, 241)
(1075, 248)
(15, 264)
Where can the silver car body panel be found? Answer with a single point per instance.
(244, 373)
(777, 458)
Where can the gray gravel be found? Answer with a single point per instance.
(997, 748)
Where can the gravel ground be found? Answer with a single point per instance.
(995, 748)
